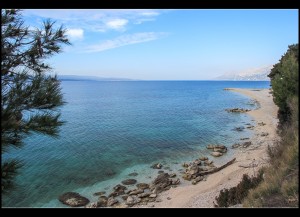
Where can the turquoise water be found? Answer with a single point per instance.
(115, 128)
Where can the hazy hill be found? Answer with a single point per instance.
(254, 74)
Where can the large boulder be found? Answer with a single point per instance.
(192, 170)
(118, 190)
(208, 162)
(172, 175)
(142, 186)
(131, 200)
(161, 178)
(210, 146)
(197, 179)
(142, 195)
(221, 146)
(221, 150)
(176, 182)
(203, 158)
(187, 177)
(102, 201)
(160, 183)
(216, 154)
(92, 205)
(73, 199)
(111, 201)
(135, 191)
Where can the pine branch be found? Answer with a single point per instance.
(9, 170)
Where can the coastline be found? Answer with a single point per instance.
(203, 194)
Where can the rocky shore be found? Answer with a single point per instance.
(206, 180)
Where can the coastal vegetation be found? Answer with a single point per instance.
(280, 187)
(279, 183)
(30, 97)
(235, 195)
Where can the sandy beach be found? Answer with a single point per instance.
(248, 160)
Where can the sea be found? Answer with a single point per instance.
(115, 128)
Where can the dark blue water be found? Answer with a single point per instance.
(115, 126)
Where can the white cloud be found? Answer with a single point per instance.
(75, 34)
(125, 40)
(142, 20)
(149, 13)
(117, 24)
(96, 20)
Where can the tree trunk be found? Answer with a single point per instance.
(218, 168)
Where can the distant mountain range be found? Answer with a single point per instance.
(89, 78)
(254, 74)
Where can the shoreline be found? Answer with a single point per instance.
(248, 160)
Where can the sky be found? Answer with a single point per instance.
(148, 44)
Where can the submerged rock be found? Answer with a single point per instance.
(239, 128)
(99, 193)
(133, 174)
(245, 138)
(73, 199)
(157, 166)
(110, 172)
(129, 182)
(240, 110)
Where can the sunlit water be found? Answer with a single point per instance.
(116, 128)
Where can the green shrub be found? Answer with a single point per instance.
(235, 195)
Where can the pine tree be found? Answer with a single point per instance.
(285, 81)
(29, 97)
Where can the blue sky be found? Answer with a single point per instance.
(169, 44)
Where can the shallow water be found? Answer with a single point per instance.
(115, 128)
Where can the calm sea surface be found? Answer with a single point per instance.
(116, 128)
